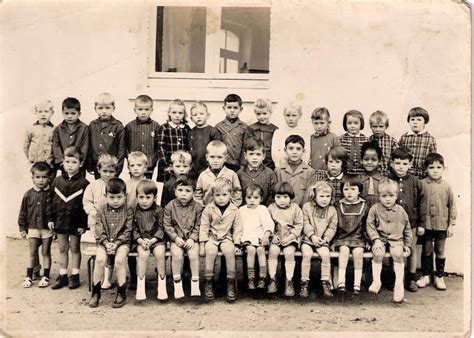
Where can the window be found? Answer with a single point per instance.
(186, 44)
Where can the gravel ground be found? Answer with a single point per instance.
(43, 310)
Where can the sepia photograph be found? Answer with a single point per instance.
(235, 168)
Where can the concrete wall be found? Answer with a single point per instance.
(387, 56)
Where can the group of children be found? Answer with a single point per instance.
(234, 189)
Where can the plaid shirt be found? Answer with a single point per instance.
(420, 145)
(387, 143)
(354, 165)
(334, 182)
(148, 223)
(171, 138)
(263, 176)
(142, 136)
(114, 225)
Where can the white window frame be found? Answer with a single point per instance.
(211, 77)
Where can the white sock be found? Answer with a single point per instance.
(272, 268)
(399, 269)
(357, 276)
(176, 277)
(341, 278)
(290, 269)
(63, 271)
(376, 271)
(75, 271)
(195, 278)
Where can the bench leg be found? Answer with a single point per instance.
(90, 271)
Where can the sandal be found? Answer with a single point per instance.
(27, 282)
(44, 282)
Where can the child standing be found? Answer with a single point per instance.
(255, 172)
(322, 140)
(288, 219)
(388, 227)
(181, 166)
(107, 135)
(419, 142)
(353, 139)
(350, 235)
(113, 234)
(371, 177)
(141, 134)
(200, 136)
(412, 198)
(67, 216)
(232, 130)
(294, 171)
(379, 124)
(216, 155)
(319, 228)
(257, 229)
(440, 220)
(182, 218)
(33, 222)
(221, 229)
(172, 136)
(263, 129)
(148, 237)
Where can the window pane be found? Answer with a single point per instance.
(180, 39)
(245, 40)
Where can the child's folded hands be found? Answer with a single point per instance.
(378, 246)
(179, 242)
(188, 244)
(23, 234)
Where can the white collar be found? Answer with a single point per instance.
(420, 133)
(173, 125)
(338, 177)
(358, 134)
(44, 189)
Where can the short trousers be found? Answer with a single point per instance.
(72, 232)
(40, 233)
(296, 245)
(437, 235)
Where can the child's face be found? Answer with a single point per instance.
(370, 160)
(435, 170)
(320, 126)
(104, 110)
(323, 198)
(216, 158)
(184, 193)
(263, 116)
(145, 201)
(388, 196)
(176, 113)
(400, 167)
(334, 166)
(71, 165)
(199, 116)
(294, 151)
(115, 200)
(350, 192)
(106, 173)
(253, 200)
(232, 109)
(353, 125)
(181, 168)
(378, 128)
(40, 179)
(221, 198)
(71, 115)
(282, 200)
(417, 124)
(43, 114)
(137, 168)
(143, 110)
(291, 118)
(254, 157)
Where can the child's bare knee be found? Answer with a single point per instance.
(251, 250)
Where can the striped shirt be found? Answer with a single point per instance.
(64, 137)
(387, 143)
(142, 136)
(171, 138)
(148, 223)
(114, 225)
(353, 146)
(420, 145)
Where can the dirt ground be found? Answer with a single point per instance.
(66, 310)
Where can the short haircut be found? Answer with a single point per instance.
(185, 180)
(178, 102)
(144, 99)
(321, 114)
(317, 187)
(352, 180)
(40, 167)
(418, 111)
(73, 152)
(233, 98)
(353, 113)
(137, 156)
(104, 98)
(198, 104)
(107, 160)
(294, 139)
(253, 143)
(222, 184)
(252, 188)
(401, 153)
(378, 117)
(292, 107)
(386, 183)
(181, 156)
(263, 104)
(432, 158)
(47, 103)
(147, 187)
(338, 153)
(373, 145)
(71, 103)
(284, 188)
(216, 144)
(115, 186)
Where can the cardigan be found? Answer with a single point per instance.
(390, 225)
(217, 226)
(182, 220)
(441, 206)
(34, 208)
(38, 143)
(320, 146)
